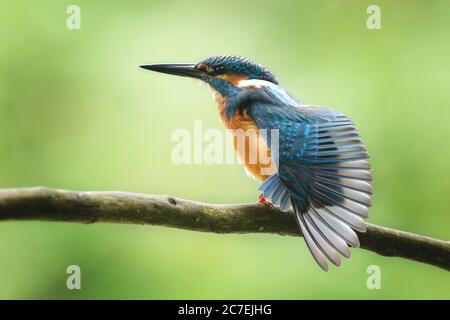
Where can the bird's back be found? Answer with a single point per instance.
(322, 169)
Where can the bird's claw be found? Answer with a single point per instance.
(263, 200)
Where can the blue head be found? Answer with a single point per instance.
(223, 73)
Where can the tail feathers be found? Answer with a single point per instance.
(327, 226)
(316, 252)
(326, 236)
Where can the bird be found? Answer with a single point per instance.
(319, 165)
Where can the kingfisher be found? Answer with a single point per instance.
(320, 167)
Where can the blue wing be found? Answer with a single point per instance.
(323, 174)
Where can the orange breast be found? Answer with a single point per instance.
(251, 147)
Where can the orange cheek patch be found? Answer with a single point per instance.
(234, 79)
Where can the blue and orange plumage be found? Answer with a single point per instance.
(322, 171)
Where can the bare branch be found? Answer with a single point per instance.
(119, 207)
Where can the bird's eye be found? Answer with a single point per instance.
(217, 70)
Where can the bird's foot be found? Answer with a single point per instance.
(263, 200)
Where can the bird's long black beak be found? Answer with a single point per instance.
(184, 70)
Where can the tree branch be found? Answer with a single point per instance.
(120, 207)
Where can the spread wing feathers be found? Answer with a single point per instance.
(325, 178)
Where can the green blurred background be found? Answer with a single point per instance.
(77, 113)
